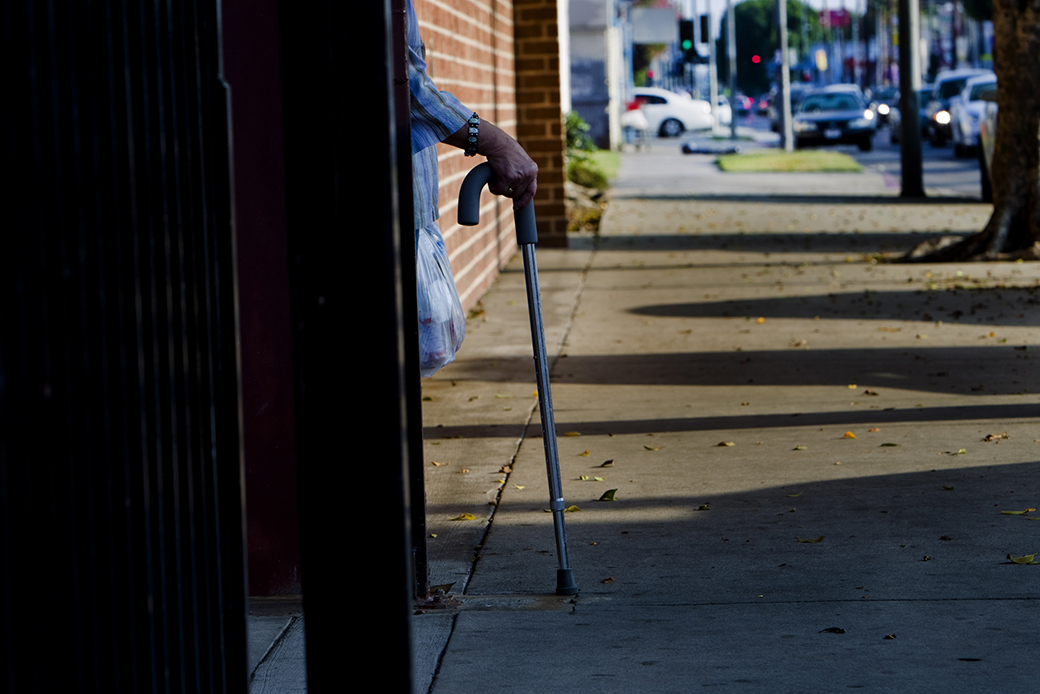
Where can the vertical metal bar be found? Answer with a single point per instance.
(565, 584)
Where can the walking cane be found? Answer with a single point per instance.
(526, 238)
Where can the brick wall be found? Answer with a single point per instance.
(538, 108)
(471, 48)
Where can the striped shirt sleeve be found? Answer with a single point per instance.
(435, 114)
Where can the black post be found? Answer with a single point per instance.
(348, 352)
(909, 83)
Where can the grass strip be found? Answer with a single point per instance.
(609, 162)
(801, 161)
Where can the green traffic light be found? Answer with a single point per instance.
(687, 45)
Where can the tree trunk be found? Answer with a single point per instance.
(1014, 229)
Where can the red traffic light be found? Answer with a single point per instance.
(756, 59)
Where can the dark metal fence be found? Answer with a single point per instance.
(121, 517)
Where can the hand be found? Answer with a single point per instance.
(515, 173)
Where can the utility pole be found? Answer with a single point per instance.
(909, 84)
(785, 76)
(713, 70)
(731, 50)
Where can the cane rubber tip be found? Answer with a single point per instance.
(565, 584)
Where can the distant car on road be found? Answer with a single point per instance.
(966, 111)
(776, 121)
(895, 115)
(834, 115)
(948, 86)
(885, 99)
(669, 114)
(987, 136)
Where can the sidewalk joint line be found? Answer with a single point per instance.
(275, 645)
(444, 652)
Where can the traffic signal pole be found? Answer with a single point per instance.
(731, 50)
(785, 76)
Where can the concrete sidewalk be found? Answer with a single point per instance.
(805, 498)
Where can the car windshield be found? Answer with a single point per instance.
(978, 90)
(951, 87)
(828, 102)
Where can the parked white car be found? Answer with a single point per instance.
(669, 114)
(966, 111)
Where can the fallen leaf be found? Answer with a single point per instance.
(889, 330)
(926, 558)
(584, 454)
(810, 541)
(573, 433)
(849, 435)
(832, 630)
(744, 404)
(609, 495)
(852, 386)
(584, 478)
(464, 470)
(608, 463)
(890, 444)
(872, 429)
(506, 469)
(598, 479)
(571, 509)
(801, 448)
(868, 391)
(443, 588)
(704, 507)
(947, 489)
(945, 538)
(795, 494)
(1018, 513)
(1024, 559)
(721, 444)
(464, 517)
(519, 486)
(433, 534)
(608, 580)
(889, 637)
(760, 321)
(436, 464)
(996, 437)
(652, 448)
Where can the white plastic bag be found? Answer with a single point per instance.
(442, 326)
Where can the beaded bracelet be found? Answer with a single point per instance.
(471, 138)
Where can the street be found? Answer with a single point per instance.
(944, 174)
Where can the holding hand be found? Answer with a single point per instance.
(516, 174)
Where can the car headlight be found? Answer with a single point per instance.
(883, 109)
(803, 126)
(942, 117)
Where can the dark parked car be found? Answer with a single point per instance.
(834, 115)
